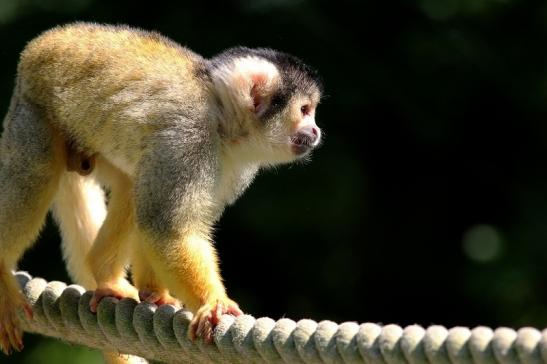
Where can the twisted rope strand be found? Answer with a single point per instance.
(159, 334)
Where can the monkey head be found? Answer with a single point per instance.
(267, 102)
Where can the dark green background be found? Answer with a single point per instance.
(427, 202)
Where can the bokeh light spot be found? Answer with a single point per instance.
(482, 243)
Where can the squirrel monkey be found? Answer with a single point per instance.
(173, 136)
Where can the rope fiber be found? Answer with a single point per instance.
(159, 334)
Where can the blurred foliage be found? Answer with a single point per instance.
(49, 351)
(427, 202)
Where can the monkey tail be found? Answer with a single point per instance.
(79, 209)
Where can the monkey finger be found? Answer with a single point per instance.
(158, 298)
(101, 293)
(203, 321)
(192, 331)
(208, 334)
(9, 331)
(5, 348)
(215, 319)
(234, 311)
(149, 296)
(168, 301)
(4, 342)
(93, 304)
(205, 329)
(16, 337)
(19, 338)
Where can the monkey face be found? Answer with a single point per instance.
(268, 101)
(306, 134)
(292, 133)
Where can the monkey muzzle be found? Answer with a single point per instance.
(305, 139)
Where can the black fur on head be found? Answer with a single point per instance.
(296, 76)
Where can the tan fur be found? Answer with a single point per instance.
(109, 254)
(151, 288)
(11, 300)
(79, 209)
(24, 223)
(109, 84)
(174, 138)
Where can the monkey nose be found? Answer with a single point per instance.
(311, 133)
(305, 139)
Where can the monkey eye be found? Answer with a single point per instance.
(305, 109)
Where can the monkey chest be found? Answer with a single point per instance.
(232, 182)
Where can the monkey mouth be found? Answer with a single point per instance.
(301, 144)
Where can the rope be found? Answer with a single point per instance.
(159, 334)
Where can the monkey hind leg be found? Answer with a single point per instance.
(109, 256)
(79, 209)
(31, 160)
(151, 289)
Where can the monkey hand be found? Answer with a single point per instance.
(208, 316)
(119, 289)
(11, 333)
(158, 297)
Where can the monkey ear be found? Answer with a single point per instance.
(260, 93)
(248, 84)
(257, 80)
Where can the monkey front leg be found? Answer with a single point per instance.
(175, 208)
(188, 265)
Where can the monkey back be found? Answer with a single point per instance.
(110, 86)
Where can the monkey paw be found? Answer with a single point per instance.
(120, 289)
(208, 316)
(11, 333)
(158, 297)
